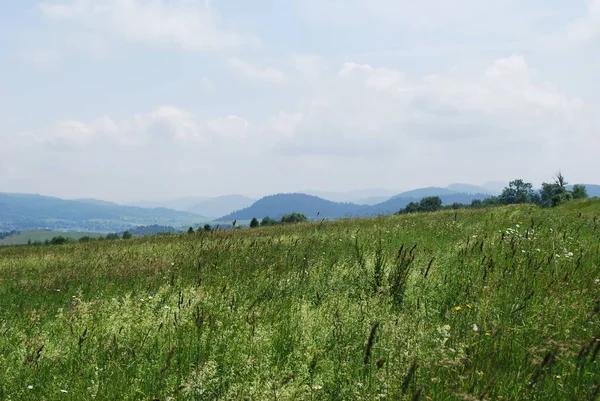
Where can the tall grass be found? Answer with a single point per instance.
(467, 305)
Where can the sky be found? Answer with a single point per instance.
(156, 99)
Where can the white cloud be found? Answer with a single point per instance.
(188, 25)
(309, 65)
(587, 29)
(283, 124)
(354, 126)
(229, 127)
(267, 74)
(165, 124)
(376, 114)
(379, 78)
(424, 14)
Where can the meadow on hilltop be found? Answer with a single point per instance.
(481, 304)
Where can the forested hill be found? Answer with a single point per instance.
(312, 207)
(25, 212)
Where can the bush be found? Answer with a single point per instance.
(293, 218)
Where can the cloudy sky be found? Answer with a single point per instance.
(156, 99)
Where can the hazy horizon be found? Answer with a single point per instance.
(131, 100)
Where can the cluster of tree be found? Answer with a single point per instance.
(428, 204)
(293, 218)
(550, 195)
(206, 228)
(517, 192)
(61, 240)
(152, 230)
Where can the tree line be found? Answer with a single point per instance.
(517, 192)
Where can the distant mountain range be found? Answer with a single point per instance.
(27, 212)
(314, 207)
(30, 212)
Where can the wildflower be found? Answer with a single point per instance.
(317, 387)
(569, 254)
(458, 308)
(469, 306)
(475, 327)
(523, 250)
(487, 333)
(172, 263)
(166, 307)
(518, 226)
(30, 387)
(142, 300)
(150, 297)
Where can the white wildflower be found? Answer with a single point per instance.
(30, 387)
(475, 327)
(317, 387)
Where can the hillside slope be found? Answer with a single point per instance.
(29, 212)
(453, 305)
(276, 206)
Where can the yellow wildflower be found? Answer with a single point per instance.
(458, 308)
(469, 306)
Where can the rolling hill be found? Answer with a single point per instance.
(30, 212)
(312, 206)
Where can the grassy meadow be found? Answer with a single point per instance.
(496, 304)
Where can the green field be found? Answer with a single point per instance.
(496, 304)
(43, 235)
